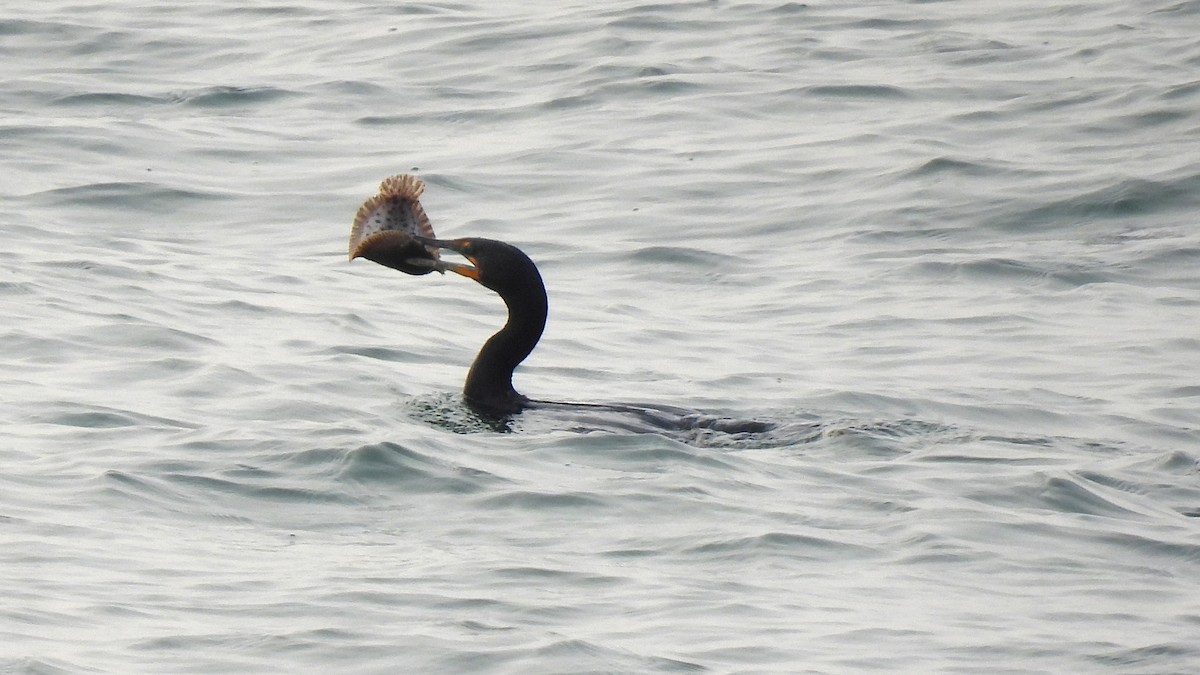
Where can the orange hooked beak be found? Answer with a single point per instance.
(455, 245)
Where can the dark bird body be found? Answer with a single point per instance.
(505, 269)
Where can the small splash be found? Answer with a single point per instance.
(709, 431)
(448, 412)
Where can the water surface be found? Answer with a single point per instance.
(948, 250)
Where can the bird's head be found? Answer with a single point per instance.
(497, 265)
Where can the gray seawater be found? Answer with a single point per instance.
(950, 250)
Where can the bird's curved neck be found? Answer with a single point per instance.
(489, 382)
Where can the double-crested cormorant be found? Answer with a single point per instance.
(505, 269)
(391, 229)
